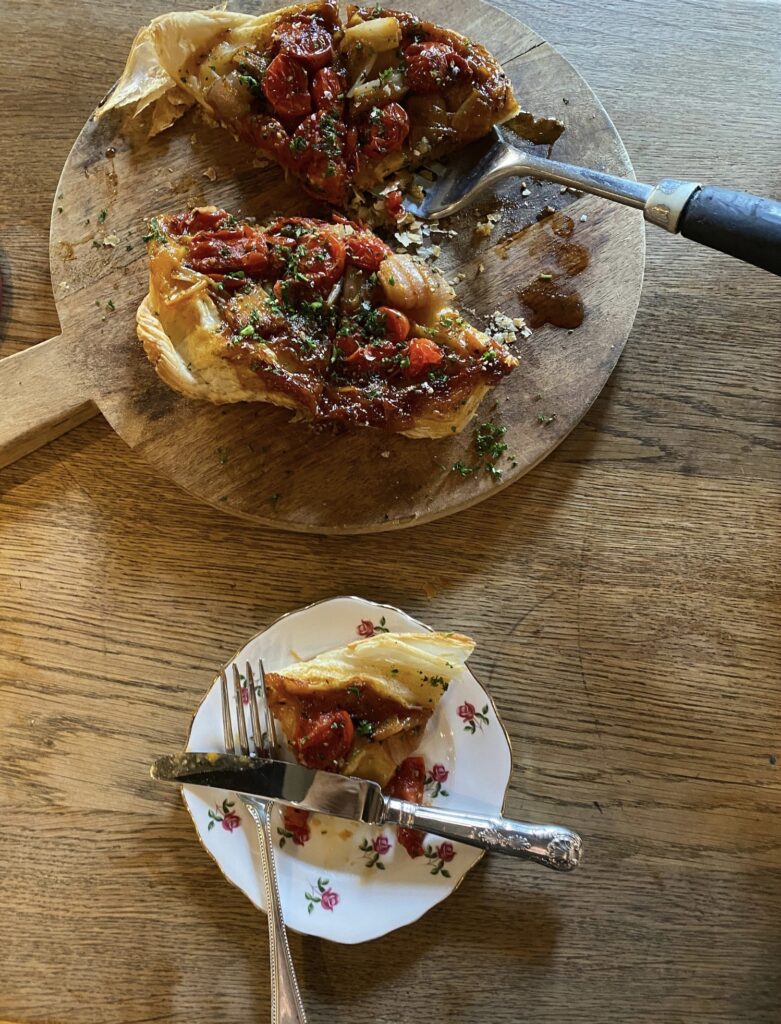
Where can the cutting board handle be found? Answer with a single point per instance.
(41, 396)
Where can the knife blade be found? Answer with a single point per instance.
(554, 846)
(292, 784)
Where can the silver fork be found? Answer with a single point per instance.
(286, 1005)
(736, 223)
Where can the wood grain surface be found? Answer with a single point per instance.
(624, 596)
(249, 458)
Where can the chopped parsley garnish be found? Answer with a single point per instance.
(364, 728)
(252, 84)
(102, 216)
(354, 690)
(386, 74)
(298, 144)
(155, 232)
(111, 305)
(546, 420)
(246, 331)
(489, 442)
(459, 467)
(391, 280)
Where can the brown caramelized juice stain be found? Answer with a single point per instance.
(551, 296)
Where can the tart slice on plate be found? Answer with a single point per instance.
(361, 709)
(335, 104)
(320, 317)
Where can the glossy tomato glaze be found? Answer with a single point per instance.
(330, 720)
(304, 310)
(292, 97)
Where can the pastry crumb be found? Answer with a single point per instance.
(210, 173)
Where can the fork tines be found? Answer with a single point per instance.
(264, 740)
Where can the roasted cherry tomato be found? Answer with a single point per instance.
(199, 219)
(433, 66)
(369, 357)
(348, 344)
(366, 251)
(396, 324)
(387, 130)
(217, 254)
(394, 204)
(409, 784)
(423, 354)
(324, 741)
(317, 152)
(315, 260)
(286, 87)
(328, 90)
(307, 40)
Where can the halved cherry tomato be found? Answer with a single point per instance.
(423, 354)
(409, 784)
(315, 259)
(366, 251)
(328, 90)
(348, 344)
(324, 741)
(396, 324)
(286, 87)
(393, 204)
(433, 66)
(317, 152)
(212, 254)
(388, 128)
(368, 357)
(197, 219)
(307, 40)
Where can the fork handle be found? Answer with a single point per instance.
(554, 846)
(739, 224)
(286, 1004)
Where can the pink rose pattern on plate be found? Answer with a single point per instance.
(225, 816)
(373, 851)
(472, 718)
(322, 894)
(438, 856)
(367, 628)
(436, 778)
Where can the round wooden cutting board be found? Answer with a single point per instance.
(250, 459)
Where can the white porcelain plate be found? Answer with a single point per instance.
(339, 880)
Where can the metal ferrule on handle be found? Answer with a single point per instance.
(554, 846)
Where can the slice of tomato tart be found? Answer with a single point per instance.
(337, 105)
(361, 710)
(318, 316)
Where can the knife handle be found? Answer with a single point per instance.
(554, 846)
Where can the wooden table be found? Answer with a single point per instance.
(624, 597)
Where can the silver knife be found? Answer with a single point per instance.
(360, 800)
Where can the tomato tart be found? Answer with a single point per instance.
(318, 316)
(361, 710)
(337, 104)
